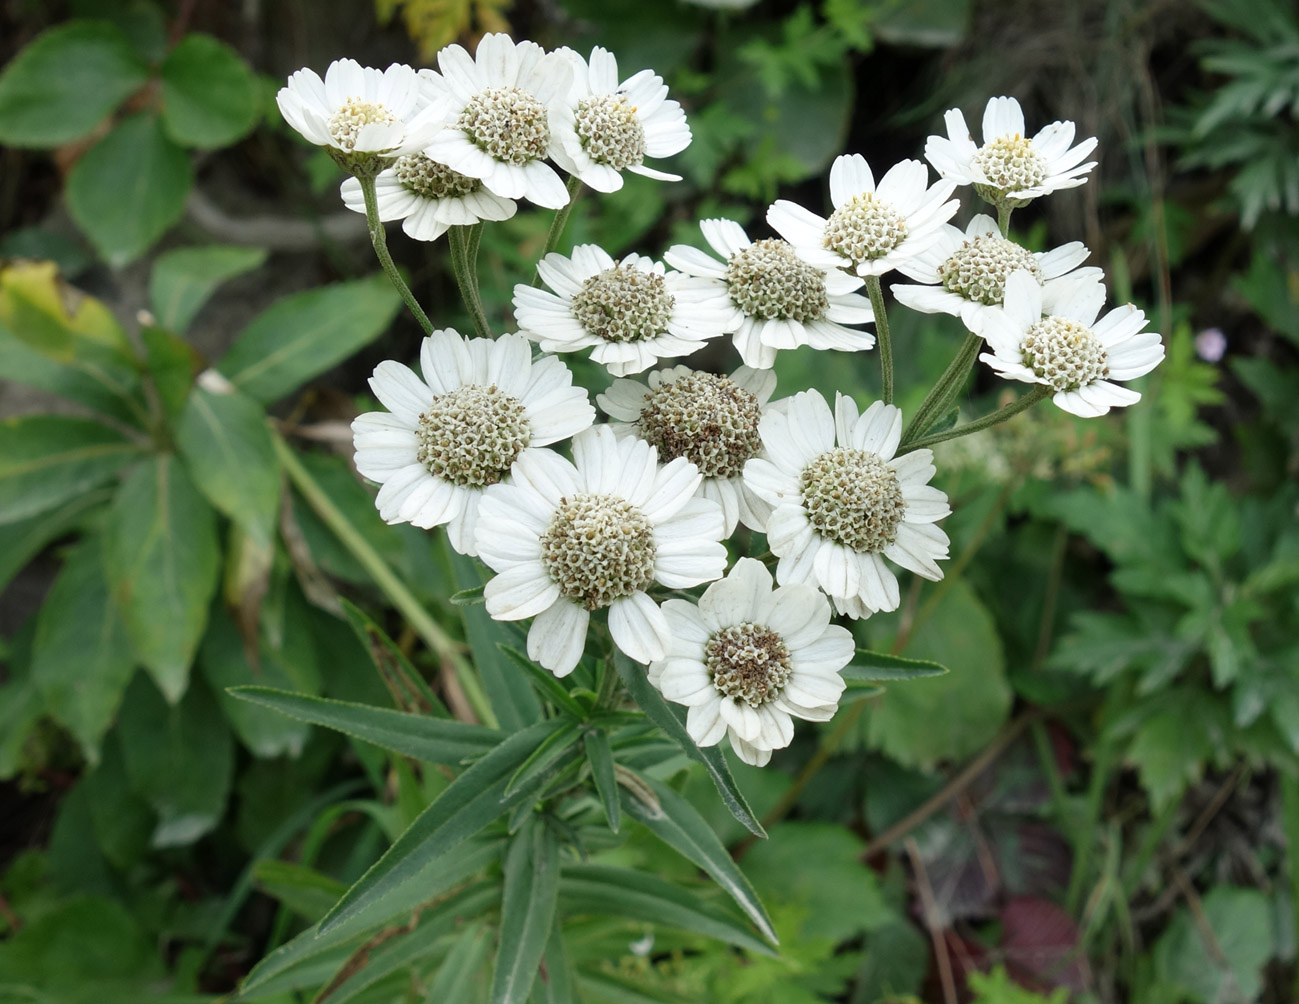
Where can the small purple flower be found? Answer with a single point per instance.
(1211, 345)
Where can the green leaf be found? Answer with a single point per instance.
(545, 683)
(665, 717)
(48, 460)
(81, 658)
(455, 979)
(953, 716)
(24, 539)
(173, 363)
(121, 819)
(63, 84)
(209, 95)
(469, 597)
(162, 560)
(1169, 756)
(54, 337)
(600, 757)
(432, 740)
(527, 911)
(469, 803)
(600, 890)
(679, 825)
(303, 890)
(129, 188)
(550, 749)
(394, 668)
(180, 757)
(303, 335)
(555, 983)
(183, 280)
(1241, 923)
(222, 436)
(879, 666)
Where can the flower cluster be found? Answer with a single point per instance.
(642, 509)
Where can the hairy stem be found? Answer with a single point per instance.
(941, 396)
(883, 339)
(464, 258)
(1003, 218)
(1025, 401)
(559, 222)
(379, 238)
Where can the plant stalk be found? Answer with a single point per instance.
(943, 393)
(1003, 218)
(379, 238)
(464, 256)
(1025, 401)
(559, 222)
(883, 340)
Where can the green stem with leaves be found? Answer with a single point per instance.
(883, 340)
(559, 222)
(1025, 401)
(442, 644)
(379, 238)
(463, 242)
(943, 394)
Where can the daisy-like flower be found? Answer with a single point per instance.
(839, 510)
(771, 298)
(482, 404)
(363, 115)
(499, 116)
(965, 273)
(749, 659)
(633, 311)
(1069, 350)
(710, 420)
(571, 538)
(872, 230)
(610, 127)
(1009, 169)
(428, 197)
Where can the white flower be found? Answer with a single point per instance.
(840, 510)
(1008, 167)
(499, 116)
(481, 405)
(965, 273)
(609, 127)
(710, 420)
(750, 659)
(771, 298)
(360, 110)
(428, 197)
(633, 311)
(1070, 351)
(872, 230)
(570, 538)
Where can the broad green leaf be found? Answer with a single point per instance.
(62, 85)
(121, 819)
(456, 976)
(21, 710)
(24, 539)
(678, 824)
(56, 338)
(472, 800)
(432, 740)
(173, 364)
(510, 694)
(527, 911)
(1168, 756)
(209, 95)
(880, 666)
(920, 722)
(49, 460)
(162, 560)
(303, 890)
(183, 280)
(223, 438)
(394, 668)
(545, 683)
(83, 941)
(622, 892)
(1241, 921)
(600, 758)
(180, 757)
(129, 188)
(665, 717)
(303, 335)
(81, 658)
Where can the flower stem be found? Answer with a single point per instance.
(442, 644)
(559, 222)
(379, 238)
(884, 341)
(1003, 218)
(940, 398)
(464, 261)
(1024, 402)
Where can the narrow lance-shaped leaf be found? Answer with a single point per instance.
(545, 683)
(873, 666)
(550, 749)
(527, 912)
(396, 671)
(455, 979)
(665, 717)
(555, 985)
(600, 757)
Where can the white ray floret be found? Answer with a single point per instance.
(843, 502)
(965, 273)
(749, 659)
(710, 420)
(481, 405)
(873, 229)
(500, 126)
(633, 311)
(360, 110)
(428, 198)
(771, 298)
(567, 539)
(610, 127)
(1068, 349)
(1008, 167)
